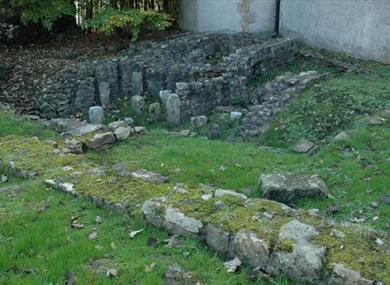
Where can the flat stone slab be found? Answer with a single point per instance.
(75, 127)
(100, 140)
(149, 176)
(285, 187)
(305, 146)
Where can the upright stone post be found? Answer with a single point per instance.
(164, 96)
(138, 104)
(173, 110)
(104, 94)
(138, 82)
(96, 115)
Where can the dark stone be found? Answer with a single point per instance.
(213, 131)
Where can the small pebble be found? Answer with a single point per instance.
(374, 205)
(379, 242)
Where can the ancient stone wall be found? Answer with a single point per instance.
(204, 70)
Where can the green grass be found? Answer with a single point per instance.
(356, 171)
(239, 165)
(11, 125)
(330, 106)
(38, 246)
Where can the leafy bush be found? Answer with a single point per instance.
(130, 20)
(45, 12)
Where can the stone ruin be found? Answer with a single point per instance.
(204, 70)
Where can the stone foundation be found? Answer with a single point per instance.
(205, 70)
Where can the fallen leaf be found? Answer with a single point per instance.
(112, 273)
(76, 225)
(134, 233)
(149, 267)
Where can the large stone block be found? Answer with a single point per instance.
(173, 107)
(286, 187)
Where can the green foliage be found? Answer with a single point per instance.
(45, 12)
(129, 20)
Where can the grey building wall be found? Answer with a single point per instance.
(358, 27)
(227, 15)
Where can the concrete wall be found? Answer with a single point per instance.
(358, 27)
(227, 15)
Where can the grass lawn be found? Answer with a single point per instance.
(38, 245)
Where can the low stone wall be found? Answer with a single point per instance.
(216, 68)
(265, 235)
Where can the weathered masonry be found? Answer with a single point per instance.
(204, 70)
(360, 28)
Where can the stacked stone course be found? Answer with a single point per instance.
(205, 70)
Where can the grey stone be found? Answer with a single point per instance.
(149, 176)
(199, 122)
(222, 192)
(175, 275)
(180, 86)
(84, 96)
(297, 231)
(217, 238)
(129, 121)
(235, 117)
(251, 250)
(178, 223)
(154, 111)
(138, 82)
(104, 94)
(117, 124)
(164, 96)
(121, 169)
(96, 115)
(3, 179)
(100, 140)
(74, 146)
(173, 106)
(232, 265)
(138, 104)
(213, 131)
(122, 133)
(342, 136)
(74, 127)
(152, 210)
(304, 146)
(374, 120)
(343, 276)
(385, 198)
(285, 187)
(140, 130)
(305, 261)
